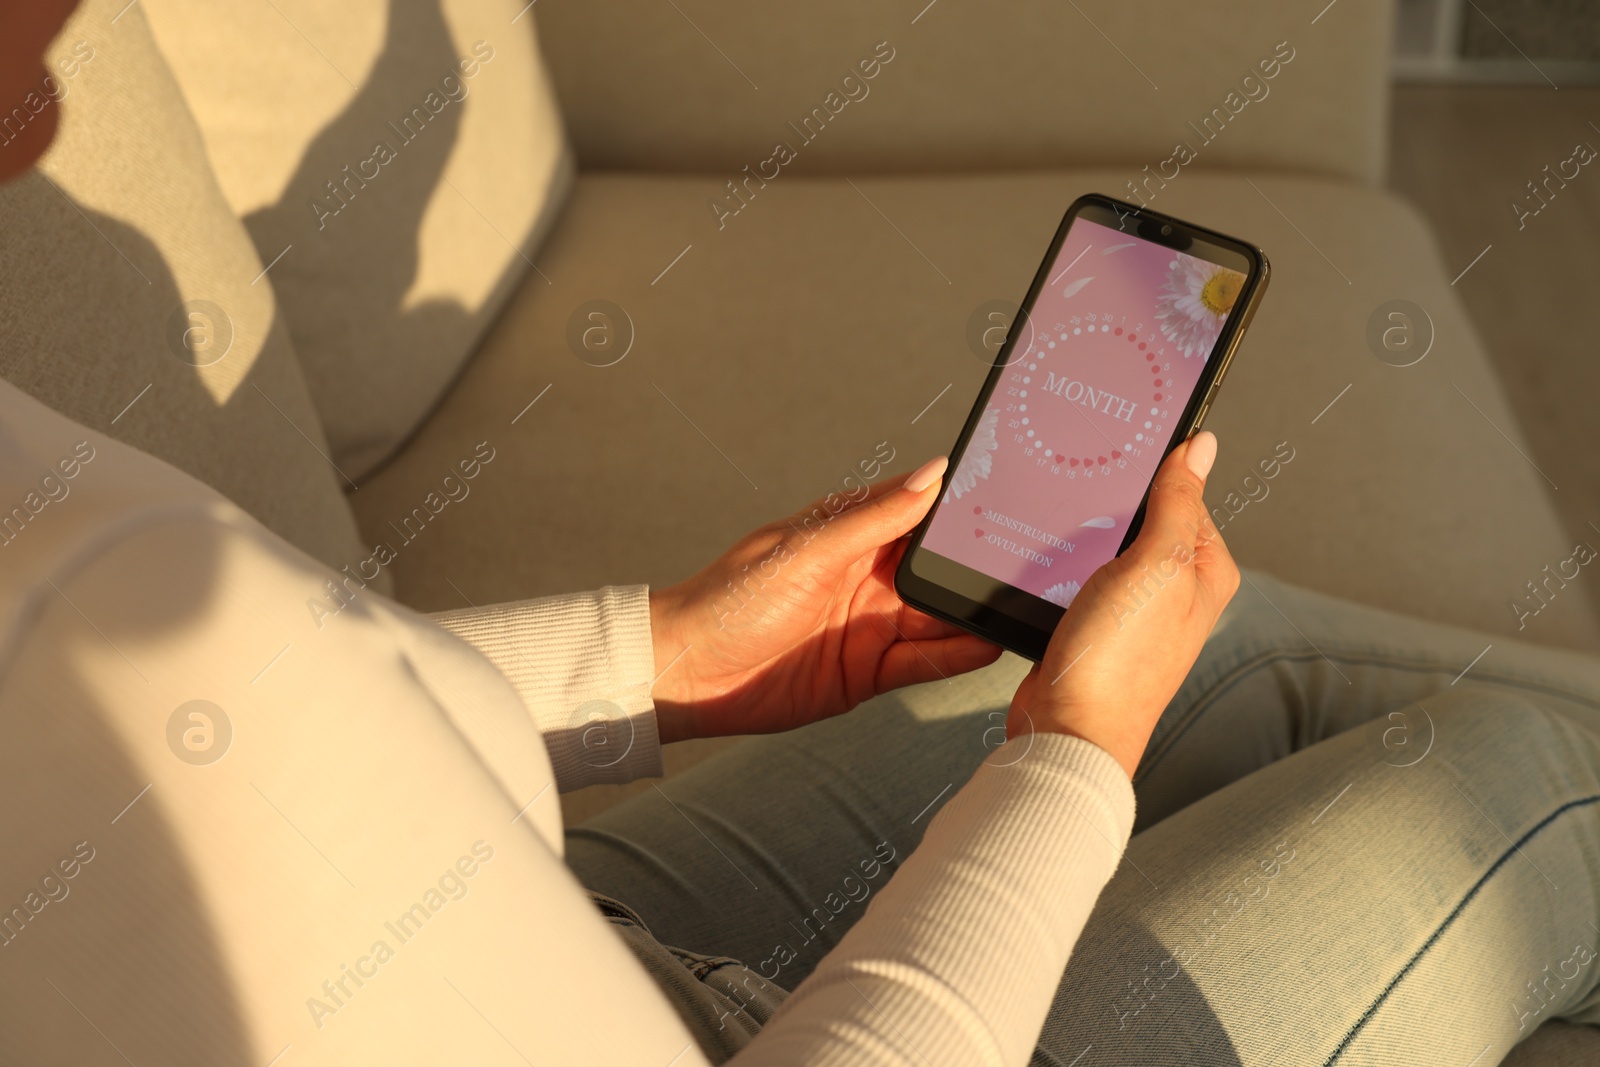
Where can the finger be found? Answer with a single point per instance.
(847, 532)
(1175, 511)
(915, 626)
(1178, 531)
(911, 662)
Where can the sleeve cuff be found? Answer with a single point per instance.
(583, 664)
(965, 946)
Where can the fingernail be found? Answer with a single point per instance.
(1201, 453)
(927, 474)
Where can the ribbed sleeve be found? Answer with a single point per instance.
(583, 664)
(958, 957)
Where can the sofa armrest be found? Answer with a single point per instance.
(697, 85)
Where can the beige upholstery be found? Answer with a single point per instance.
(710, 86)
(776, 354)
(104, 250)
(393, 271)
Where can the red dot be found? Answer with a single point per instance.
(1155, 370)
(1141, 346)
(1150, 356)
(1133, 337)
(977, 509)
(1073, 461)
(1158, 396)
(1119, 331)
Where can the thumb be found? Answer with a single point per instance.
(888, 512)
(1176, 523)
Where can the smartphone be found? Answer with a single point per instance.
(1113, 358)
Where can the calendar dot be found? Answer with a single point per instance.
(1025, 422)
(1138, 437)
(1030, 433)
(1155, 411)
(1026, 380)
(1077, 329)
(1146, 423)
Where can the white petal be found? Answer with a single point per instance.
(1073, 289)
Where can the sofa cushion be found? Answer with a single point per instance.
(771, 358)
(403, 157)
(1025, 84)
(131, 298)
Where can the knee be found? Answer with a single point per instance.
(1506, 723)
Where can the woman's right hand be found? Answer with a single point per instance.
(1130, 636)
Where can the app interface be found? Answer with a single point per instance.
(1101, 370)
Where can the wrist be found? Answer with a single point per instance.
(1126, 750)
(668, 689)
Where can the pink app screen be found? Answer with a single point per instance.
(1099, 374)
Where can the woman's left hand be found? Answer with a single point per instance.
(799, 621)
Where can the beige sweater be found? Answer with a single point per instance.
(238, 832)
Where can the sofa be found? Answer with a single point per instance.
(656, 273)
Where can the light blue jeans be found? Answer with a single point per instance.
(1352, 847)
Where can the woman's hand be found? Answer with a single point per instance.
(799, 621)
(1130, 636)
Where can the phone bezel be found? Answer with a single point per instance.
(1008, 616)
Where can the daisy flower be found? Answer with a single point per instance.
(1061, 593)
(1193, 304)
(978, 459)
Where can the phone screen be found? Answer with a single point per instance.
(1097, 378)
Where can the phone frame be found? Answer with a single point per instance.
(1008, 616)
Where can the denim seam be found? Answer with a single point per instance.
(1207, 699)
(1449, 920)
